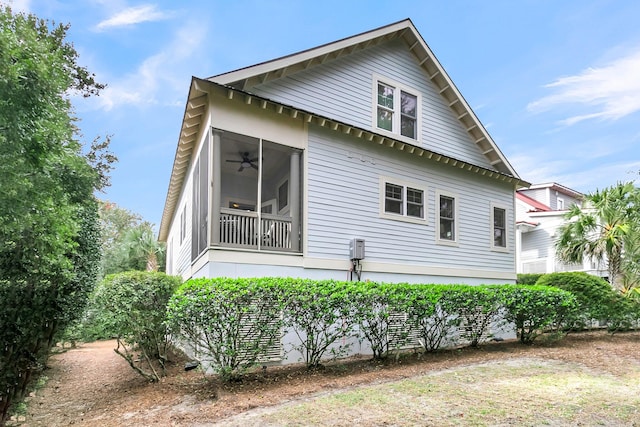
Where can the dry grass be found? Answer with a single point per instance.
(519, 392)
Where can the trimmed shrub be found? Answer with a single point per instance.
(135, 305)
(379, 312)
(320, 313)
(528, 278)
(535, 308)
(477, 307)
(230, 323)
(433, 315)
(594, 295)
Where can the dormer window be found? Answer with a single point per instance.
(396, 109)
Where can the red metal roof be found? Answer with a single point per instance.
(536, 205)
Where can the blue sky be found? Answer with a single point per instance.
(556, 83)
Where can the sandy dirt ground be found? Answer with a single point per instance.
(93, 386)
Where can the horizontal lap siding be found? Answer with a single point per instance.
(344, 202)
(342, 89)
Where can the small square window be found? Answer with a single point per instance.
(402, 201)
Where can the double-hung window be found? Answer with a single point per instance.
(397, 109)
(499, 227)
(402, 200)
(447, 221)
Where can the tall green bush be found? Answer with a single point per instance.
(594, 295)
(230, 323)
(135, 303)
(48, 213)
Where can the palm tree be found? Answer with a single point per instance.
(603, 230)
(144, 250)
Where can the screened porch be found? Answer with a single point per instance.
(255, 194)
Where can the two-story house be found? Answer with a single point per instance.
(360, 154)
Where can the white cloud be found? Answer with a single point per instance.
(607, 93)
(132, 16)
(166, 72)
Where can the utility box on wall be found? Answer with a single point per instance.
(356, 249)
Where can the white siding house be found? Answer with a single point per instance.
(281, 165)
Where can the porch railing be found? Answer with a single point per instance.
(240, 229)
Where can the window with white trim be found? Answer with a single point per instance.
(560, 204)
(499, 224)
(402, 200)
(447, 221)
(183, 224)
(396, 109)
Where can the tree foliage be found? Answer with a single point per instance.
(607, 230)
(49, 232)
(128, 242)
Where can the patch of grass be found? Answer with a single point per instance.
(522, 392)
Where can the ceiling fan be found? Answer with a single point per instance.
(246, 161)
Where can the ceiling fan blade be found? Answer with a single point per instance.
(254, 166)
(253, 160)
(234, 161)
(241, 168)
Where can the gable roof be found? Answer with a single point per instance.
(244, 78)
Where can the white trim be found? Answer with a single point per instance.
(235, 256)
(504, 248)
(383, 180)
(395, 132)
(384, 267)
(285, 209)
(456, 222)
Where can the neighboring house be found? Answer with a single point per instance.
(366, 143)
(540, 211)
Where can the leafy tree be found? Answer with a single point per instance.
(606, 230)
(49, 233)
(128, 242)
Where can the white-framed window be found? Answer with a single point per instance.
(183, 223)
(560, 204)
(396, 108)
(402, 200)
(447, 218)
(498, 227)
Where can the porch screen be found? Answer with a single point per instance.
(200, 202)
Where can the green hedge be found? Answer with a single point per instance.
(233, 322)
(528, 278)
(134, 304)
(595, 297)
